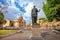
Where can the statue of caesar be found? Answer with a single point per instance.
(34, 15)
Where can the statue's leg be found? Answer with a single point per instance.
(35, 19)
(32, 20)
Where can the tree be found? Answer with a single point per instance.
(2, 18)
(51, 8)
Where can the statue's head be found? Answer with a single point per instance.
(34, 6)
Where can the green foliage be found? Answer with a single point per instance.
(50, 9)
(5, 32)
(2, 18)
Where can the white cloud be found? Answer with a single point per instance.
(12, 1)
(41, 14)
(3, 8)
(11, 14)
(14, 12)
(27, 15)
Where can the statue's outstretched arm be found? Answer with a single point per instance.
(39, 10)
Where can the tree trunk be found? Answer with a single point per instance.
(1, 26)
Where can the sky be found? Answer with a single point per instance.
(12, 9)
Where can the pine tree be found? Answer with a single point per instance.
(2, 18)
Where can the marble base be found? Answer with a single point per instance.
(36, 38)
(36, 26)
(35, 32)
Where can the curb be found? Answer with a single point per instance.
(57, 32)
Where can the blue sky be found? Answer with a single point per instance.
(16, 7)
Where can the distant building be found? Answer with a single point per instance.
(7, 23)
(19, 22)
(16, 23)
(29, 26)
(41, 20)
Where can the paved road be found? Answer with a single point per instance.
(50, 36)
(19, 36)
(26, 35)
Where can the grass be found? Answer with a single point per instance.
(5, 32)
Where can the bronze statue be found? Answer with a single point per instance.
(34, 15)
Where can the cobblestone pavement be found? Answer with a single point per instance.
(26, 35)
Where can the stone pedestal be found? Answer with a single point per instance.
(35, 32)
